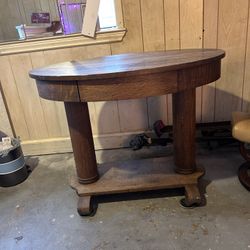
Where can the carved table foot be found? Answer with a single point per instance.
(85, 206)
(192, 196)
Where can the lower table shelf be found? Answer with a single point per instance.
(135, 176)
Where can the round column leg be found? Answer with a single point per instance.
(82, 141)
(184, 131)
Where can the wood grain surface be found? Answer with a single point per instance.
(58, 91)
(136, 175)
(131, 87)
(184, 131)
(124, 65)
(129, 76)
(82, 141)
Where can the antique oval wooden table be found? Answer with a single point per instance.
(131, 76)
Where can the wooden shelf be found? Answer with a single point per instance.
(136, 175)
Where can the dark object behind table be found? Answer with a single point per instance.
(13, 169)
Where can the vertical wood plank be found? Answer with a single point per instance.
(191, 23)
(157, 109)
(191, 27)
(51, 109)
(209, 41)
(172, 23)
(119, 14)
(132, 42)
(132, 113)
(86, 52)
(107, 117)
(152, 13)
(246, 87)
(4, 119)
(21, 65)
(57, 56)
(172, 34)
(93, 117)
(232, 32)
(53, 57)
(13, 99)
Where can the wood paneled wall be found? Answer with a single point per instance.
(152, 25)
(4, 120)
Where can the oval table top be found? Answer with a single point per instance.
(125, 65)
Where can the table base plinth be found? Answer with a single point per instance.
(136, 176)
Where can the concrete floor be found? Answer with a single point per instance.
(41, 212)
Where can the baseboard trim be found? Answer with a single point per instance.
(63, 145)
(105, 141)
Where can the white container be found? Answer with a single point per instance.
(25, 31)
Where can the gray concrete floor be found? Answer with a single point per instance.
(41, 212)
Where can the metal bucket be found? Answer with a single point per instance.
(13, 169)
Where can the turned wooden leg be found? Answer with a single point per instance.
(82, 141)
(85, 206)
(184, 131)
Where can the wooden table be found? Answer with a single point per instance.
(131, 76)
